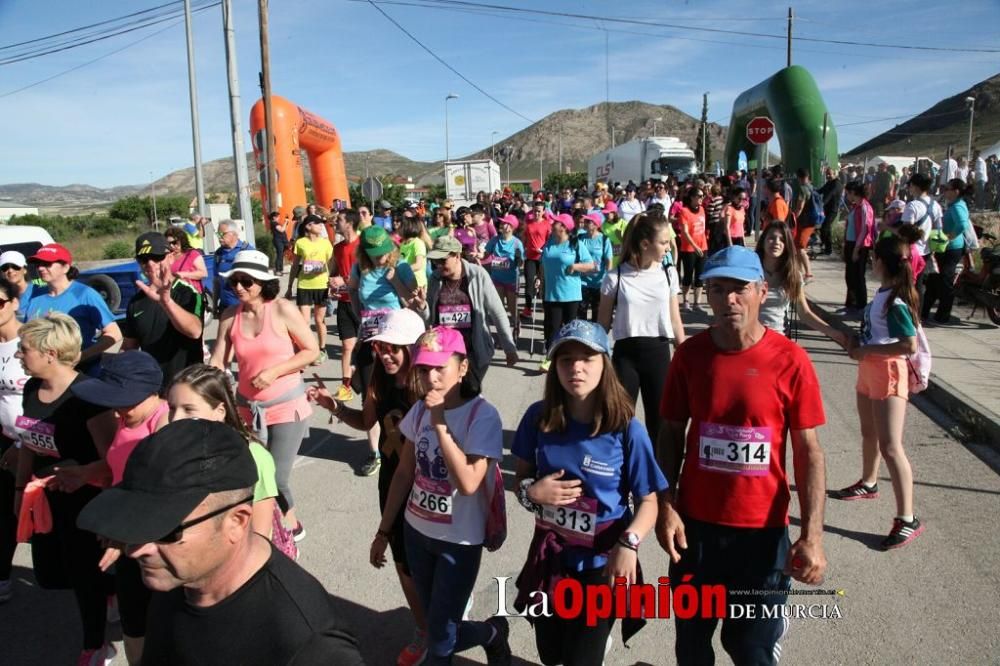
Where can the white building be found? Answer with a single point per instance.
(9, 209)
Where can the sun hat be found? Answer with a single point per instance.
(437, 345)
(444, 246)
(50, 253)
(252, 262)
(151, 243)
(566, 220)
(511, 220)
(585, 332)
(735, 262)
(126, 379)
(399, 327)
(167, 476)
(376, 241)
(13, 257)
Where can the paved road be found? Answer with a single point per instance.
(934, 601)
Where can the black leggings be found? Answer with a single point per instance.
(941, 286)
(557, 314)
(8, 521)
(641, 365)
(532, 269)
(591, 301)
(572, 642)
(693, 264)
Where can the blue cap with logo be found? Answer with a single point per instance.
(582, 331)
(735, 262)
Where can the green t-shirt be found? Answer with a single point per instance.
(409, 250)
(615, 231)
(267, 485)
(437, 232)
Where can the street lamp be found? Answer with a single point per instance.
(493, 145)
(447, 149)
(152, 188)
(656, 120)
(614, 133)
(971, 101)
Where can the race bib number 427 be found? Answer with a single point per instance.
(744, 450)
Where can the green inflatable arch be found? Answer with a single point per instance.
(802, 122)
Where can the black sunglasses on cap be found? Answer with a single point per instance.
(175, 535)
(11, 267)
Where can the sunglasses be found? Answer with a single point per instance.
(5, 301)
(11, 267)
(175, 535)
(437, 263)
(244, 281)
(173, 241)
(386, 348)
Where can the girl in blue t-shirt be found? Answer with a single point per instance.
(505, 256)
(581, 456)
(564, 259)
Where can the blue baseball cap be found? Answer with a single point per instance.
(126, 379)
(582, 331)
(735, 262)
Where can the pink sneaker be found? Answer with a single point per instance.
(414, 653)
(102, 656)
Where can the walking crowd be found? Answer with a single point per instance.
(162, 474)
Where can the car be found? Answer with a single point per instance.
(113, 279)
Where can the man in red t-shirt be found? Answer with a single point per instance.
(736, 390)
(536, 232)
(348, 323)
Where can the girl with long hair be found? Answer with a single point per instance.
(941, 285)
(639, 307)
(453, 439)
(888, 334)
(694, 244)
(583, 462)
(785, 289)
(389, 398)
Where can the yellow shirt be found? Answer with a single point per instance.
(314, 262)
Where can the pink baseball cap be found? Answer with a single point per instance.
(437, 345)
(594, 217)
(610, 207)
(566, 220)
(511, 220)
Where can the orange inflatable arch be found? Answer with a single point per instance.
(296, 131)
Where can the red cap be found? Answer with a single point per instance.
(51, 253)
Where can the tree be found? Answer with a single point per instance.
(391, 192)
(136, 209)
(559, 181)
(703, 143)
(437, 193)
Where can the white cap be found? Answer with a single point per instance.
(13, 257)
(399, 327)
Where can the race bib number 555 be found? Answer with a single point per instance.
(38, 436)
(742, 450)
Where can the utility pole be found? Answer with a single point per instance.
(152, 189)
(199, 177)
(560, 151)
(239, 153)
(493, 145)
(971, 101)
(265, 85)
(704, 132)
(607, 87)
(789, 45)
(612, 136)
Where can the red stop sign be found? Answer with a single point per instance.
(760, 130)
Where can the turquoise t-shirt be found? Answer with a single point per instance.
(556, 258)
(955, 221)
(506, 256)
(80, 302)
(376, 291)
(602, 252)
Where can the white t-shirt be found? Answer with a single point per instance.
(666, 202)
(980, 169)
(949, 170)
(435, 508)
(963, 174)
(774, 310)
(629, 209)
(641, 311)
(913, 214)
(12, 379)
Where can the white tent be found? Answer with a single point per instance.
(992, 150)
(897, 161)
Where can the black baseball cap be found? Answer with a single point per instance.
(312, 219)
(169, 474)
(151, 243)
(126, 379)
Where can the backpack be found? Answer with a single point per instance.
(918, 364)
(496, 512)
(814, 209)
(282, 537)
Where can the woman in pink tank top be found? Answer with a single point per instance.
(272, 344)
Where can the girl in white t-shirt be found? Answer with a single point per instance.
(639, 307)
(453, 438)
(12, 380)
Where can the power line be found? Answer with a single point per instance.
(87, 27)
(443, 62)
(89, 62)
(841, 42)
(879, 120)
(100, 36)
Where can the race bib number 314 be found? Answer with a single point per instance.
(742, 450)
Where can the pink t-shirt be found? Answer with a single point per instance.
(127, 438)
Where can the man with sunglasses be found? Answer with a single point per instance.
(229, 246)
(164, 318)
(222, 593)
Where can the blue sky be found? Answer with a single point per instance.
(125, 117)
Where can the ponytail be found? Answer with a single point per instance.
(964, 189)
(893, 252)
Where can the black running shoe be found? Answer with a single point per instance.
(902, 533)
(498, 650)
(855, 492)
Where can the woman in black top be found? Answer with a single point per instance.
(387, 401)
(65, 439)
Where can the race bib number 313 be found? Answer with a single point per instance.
(744, 450)
(575, 522)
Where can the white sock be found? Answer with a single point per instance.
(906, 519)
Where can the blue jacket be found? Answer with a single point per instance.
(224, 259)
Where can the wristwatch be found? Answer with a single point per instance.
(630, 540)
(522, 495)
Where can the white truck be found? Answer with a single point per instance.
(654, 157)
(464, 179)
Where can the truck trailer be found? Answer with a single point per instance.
(656, 157)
